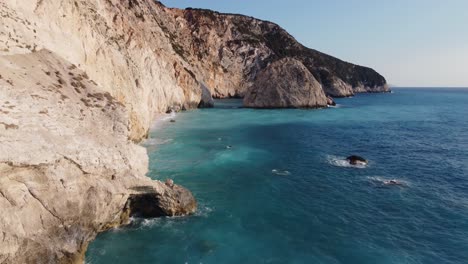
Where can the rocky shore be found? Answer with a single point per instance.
(80, 83)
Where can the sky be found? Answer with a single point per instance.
(412, 43)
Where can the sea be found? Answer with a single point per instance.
(273, 186)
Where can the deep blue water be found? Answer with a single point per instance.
(281, 194)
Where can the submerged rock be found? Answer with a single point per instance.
(170, 183)
(286, 83)
(394, 183)
(356, 160)
(330, 101)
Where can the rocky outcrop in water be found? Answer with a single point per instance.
(330, 101)
(80, 82)
(356, 160)
(285, 83)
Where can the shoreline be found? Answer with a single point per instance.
(160, 119)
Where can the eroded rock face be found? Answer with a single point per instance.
(67, 166)
(286, 83)
(122, 45)
(228, 51)
(206, 100)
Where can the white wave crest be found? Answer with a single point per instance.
(143, 223)
(203, 211)
(280, 172)
(381, 182)
(150, 222)
(156, 141)
(342, 162)
(170, 116)
(162, 119)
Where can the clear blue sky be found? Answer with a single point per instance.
(410, 42)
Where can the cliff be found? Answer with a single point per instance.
(152, 58)
(228, 51)
(118, 43)
(80, 82)
(67, 167)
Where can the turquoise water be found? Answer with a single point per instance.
(282, 193)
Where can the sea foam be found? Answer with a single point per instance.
(381, 182)
(161, 119)
(280, 172)
(334, 106)
(342, 162)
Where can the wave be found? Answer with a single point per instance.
(169, 116)
(203, 211)
(156, 141)
(143, 223)
(387, 182)
(137, 223)
(150, 222)
(280, 172)
(334, 106)
(342, 162)
(161, 119)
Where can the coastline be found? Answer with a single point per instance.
(88, 103)
(160, 120)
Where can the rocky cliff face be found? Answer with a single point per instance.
(120, 44)
(152, 58)
(68, 169)
(228, 51)
(81, 80)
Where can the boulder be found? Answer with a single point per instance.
(174, 200)
(174, 109)
(356, 160)
(169, 183)
(330, 101)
